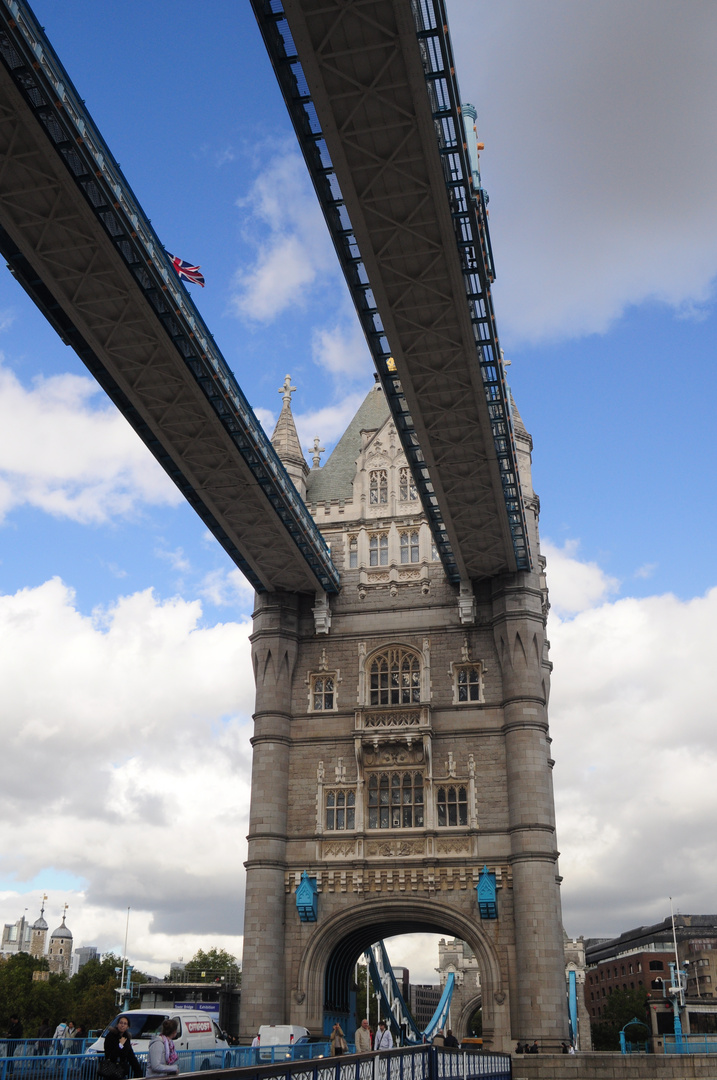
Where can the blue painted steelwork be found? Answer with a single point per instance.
(691, 1044)
(307, 899)
(634, 1046)
(573, 1006)
(470, 223)
(468, 211)
(394, 1006)
(486, 889)
(50, 94)
(284, 57)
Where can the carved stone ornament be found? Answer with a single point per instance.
(393, 753)
(499, 997)
(338, 849)
(389, 849)
(299, 996)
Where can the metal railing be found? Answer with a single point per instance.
(691, 1044)
(406, 1063)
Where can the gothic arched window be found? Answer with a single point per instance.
(395, 677)
(452, 806)
(395, 800)
(378, 486)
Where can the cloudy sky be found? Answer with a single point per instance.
(127, 687)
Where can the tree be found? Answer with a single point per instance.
(620, 1008)
(214, 965)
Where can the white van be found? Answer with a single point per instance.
(280, 1035)
(197, 1031)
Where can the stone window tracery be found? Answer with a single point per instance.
(353, 552)
(395, 800)
(452, 806)
(406, 487)
(410, 546)
(467, 683)
(340, 810)
(395, 677)
(378, 549)
(378, 486)
(323, 687)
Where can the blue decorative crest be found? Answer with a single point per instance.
(487, 906)
(307, 899)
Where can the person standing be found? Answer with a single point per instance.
(118, 1049)
(44, 1035)
(451, 1040)
(68, 1038)
(362, 1038)
(438, 1039)
(384, 1038)
(14, 1032)
(162, 1058)
(338, 1042)
(59, 1036)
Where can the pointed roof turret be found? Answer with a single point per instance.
(286, 441)
(40, 923)
(62, 931)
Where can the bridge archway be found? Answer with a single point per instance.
(461, 1026)
(325, 970)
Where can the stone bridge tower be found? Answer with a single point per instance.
(401, 745)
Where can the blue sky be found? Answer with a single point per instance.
(600, 159)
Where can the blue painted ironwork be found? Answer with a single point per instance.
(287, 66)
(307, 899)
(468, 211)
(573, 1006)
(395, 1008)
(486, 889)
(690, 1044)
(440, 1017)
(61, 113)
(634, 1045)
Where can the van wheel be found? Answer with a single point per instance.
(206, 1064)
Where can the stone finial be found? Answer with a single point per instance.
(316, 451)
(287, 389)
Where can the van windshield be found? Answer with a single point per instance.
(141, 1024)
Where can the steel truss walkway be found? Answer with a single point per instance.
(384, 982)
(371, 89)
(76, 239)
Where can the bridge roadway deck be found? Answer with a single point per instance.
(77, 240)
(371, 89)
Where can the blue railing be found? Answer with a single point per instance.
(691, 1044)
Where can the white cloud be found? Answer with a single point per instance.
(342, 350)
(329, 423)
(97, 469)
(574, 585)
(632, 720)
(294, 252)
(601, 146)
(223, 587)
(127, 763)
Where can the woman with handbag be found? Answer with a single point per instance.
(338, 1042)
(119, 1060)
(162, 1059)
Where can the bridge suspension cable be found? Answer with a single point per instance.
(394, 1006)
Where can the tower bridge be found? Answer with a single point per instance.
(401, 775)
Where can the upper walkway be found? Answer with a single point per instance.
(372, 92)
(77, 240)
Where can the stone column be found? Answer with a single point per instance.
(274, 651)
(538, 996)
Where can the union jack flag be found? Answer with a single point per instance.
(187, 270)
